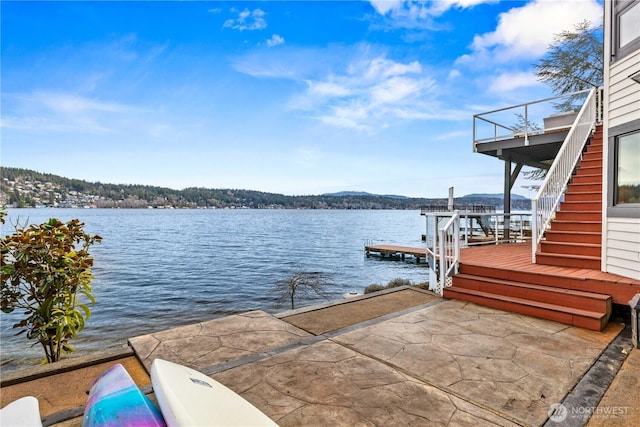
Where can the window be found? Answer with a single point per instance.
(626, 27)
(627, 169)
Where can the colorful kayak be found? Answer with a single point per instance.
(24, 412)
(116, 401)
(190, 398)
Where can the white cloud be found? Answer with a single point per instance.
(328, 88)
(247, 20)
(275, 40)
(384, 6)
(367, 95)
(394, 90)
(525, 32)
(454, 74)
(510, 81)
(67, 103)
(383, 68)
(356, 87)
(418, 13)
(59, 111)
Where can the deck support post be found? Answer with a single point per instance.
(507, 198)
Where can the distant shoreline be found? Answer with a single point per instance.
(21, 188)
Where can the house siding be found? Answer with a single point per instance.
(623, 247)
(624, 96)
(621, 232)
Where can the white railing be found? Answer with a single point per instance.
(525, 120)
(546, 202)
(443, 252)
(466, 229)
(495, 228)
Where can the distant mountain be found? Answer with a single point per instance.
(493, 196)
(363, 194)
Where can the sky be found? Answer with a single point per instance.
(290, 97)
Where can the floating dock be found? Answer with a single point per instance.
(395, 251)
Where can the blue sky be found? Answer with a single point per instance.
(287, 97)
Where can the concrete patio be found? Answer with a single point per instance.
(440, 363)
(415, 360)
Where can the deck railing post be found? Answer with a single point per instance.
(534, 229)
(456, 243)
(526, 125)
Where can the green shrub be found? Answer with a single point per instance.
(45, 268)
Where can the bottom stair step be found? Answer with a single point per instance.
(565, 260)
(595, 321)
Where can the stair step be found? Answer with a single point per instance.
(588, 196)
(594, 148)
(591, 163)
(595, 145)
(589, 170)
(585, 188)
(578, 216)
(586, 179)
(564, 260)
(581, 206)
(570, 316)
(571, 248)
(593, 226)
(541, 293)
(592, 155)
(552, 235)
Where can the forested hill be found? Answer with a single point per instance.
(27, 188)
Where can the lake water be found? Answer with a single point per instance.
(158, 269)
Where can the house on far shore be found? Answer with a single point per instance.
(578, 252)
(621, 132)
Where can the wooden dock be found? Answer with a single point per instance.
(395, 251)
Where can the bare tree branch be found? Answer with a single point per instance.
(302, 285)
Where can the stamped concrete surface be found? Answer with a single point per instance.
(327, 384)
(356, 310)
(515, 365)
(217, 341)
(447, 363)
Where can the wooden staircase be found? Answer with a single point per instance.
(533, 295)
(575, 236)
(573, 240)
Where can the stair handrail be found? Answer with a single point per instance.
(449, 251)
(546, 201)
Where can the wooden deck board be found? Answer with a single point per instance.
(396, 250)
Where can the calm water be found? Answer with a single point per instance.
(157, 269)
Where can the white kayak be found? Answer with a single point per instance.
(24, 412)
(189, 398)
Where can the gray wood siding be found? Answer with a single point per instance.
(624, 93)
(623, 247)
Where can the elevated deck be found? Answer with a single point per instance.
(535, 151)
